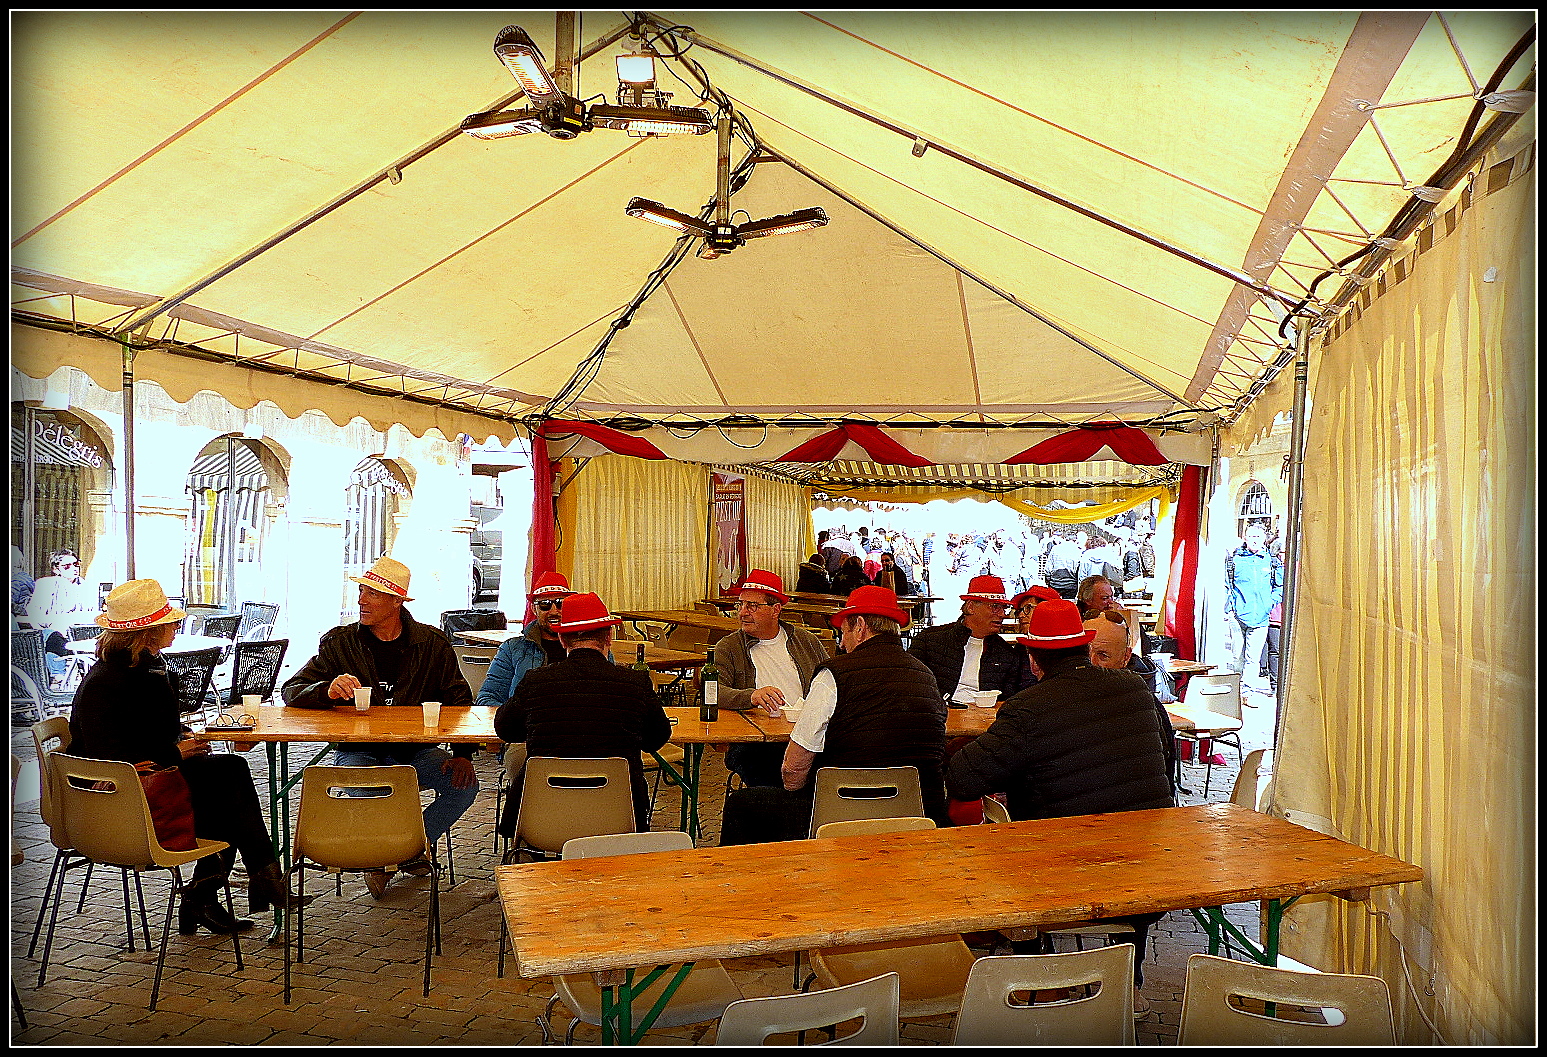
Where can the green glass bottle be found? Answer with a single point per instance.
(639, 664)
(709, 704)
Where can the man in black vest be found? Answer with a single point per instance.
(585, 706)
(872, 706)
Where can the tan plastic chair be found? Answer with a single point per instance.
(932, 970)
(856, 827)
(1248, 788)
(340, 833)
(989, 1016)
(750, 1021)
(474, 662)
(1360, 1006)
(1214, 706)
(702, 995)
(112, 826)
(844, 793)
(565, 799)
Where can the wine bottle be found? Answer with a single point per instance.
(639, 664)
(709, 705)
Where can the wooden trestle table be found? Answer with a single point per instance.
(613, 916)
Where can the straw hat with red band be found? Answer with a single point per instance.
(585, 612)
(871, 601)
(550, 585)
(985, 589)
(1056, 626)
(387, 576)
(137, 604)
(1044, 594)
(766, 582)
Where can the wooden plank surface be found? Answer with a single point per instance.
(731, 726)
(636, 910)
(683, 618)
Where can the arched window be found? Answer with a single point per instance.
(376, 495)
(56, 460)
(229, 486)
(1256, 508)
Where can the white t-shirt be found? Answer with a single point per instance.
(773, 666)
(972, 664)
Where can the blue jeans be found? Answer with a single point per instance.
(450, 803)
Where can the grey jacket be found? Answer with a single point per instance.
(738, 678)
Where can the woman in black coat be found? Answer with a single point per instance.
(126, 709)
(851, 574)
(813, 577)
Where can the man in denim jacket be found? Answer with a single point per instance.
(1254, 584)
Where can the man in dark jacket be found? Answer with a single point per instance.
(585, 706)
(404, 663)
(872, 706)
(1084, 740)
(970, 654)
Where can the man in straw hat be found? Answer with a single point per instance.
(766, 664)
(585, 706)
(871, 706)
(404, 663)
(970, 654)
(1084, 740)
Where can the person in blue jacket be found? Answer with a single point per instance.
(537, 645)
(1254, 584)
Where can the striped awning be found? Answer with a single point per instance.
(210, 471)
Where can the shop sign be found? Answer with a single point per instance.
(56, 435)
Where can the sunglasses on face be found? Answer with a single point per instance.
(543, 607)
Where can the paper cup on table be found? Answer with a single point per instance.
(250, 702)
(791, 713)
(363, 699)
(986, 698)
(431, 714)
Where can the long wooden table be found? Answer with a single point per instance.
(613, 916)
(659, 658)
(687, 618)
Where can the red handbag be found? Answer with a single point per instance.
(171, 806)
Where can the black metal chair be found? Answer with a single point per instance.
(27, 658)
(455, 620)
(257, 623)
(191, 674)
(254, 670)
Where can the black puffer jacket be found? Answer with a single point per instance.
(1005, 666)
(586, 707)
(1084, 740)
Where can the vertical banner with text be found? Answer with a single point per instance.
(728, 531)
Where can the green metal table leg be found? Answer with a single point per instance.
(617, 1005)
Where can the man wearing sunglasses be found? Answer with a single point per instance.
(58, 601)
(537, 645)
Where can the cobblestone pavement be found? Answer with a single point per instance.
(361, 982)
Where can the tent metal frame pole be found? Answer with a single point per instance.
(128, 405)
(1292, 530)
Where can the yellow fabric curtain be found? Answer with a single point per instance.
(1078, 516)
(779, 530)
(1409, 725)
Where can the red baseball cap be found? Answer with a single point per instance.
(1046, 594)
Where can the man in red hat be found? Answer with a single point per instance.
(1084, 740)
(403, 662)
(537, 645)
(766, 664)
(970, 654)
(585, 706)
(1027, 601)
(871, 706)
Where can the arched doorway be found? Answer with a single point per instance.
(1255, 508)
(230, 486)
(57, 460)
(375, 499)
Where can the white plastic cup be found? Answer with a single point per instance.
(790, 714)
(987, 698)
(363, 699)
(250, 702)
(431, 714)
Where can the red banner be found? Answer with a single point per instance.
(728, 535)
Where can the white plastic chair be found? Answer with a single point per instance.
(751, 1021)
(1329, 1009)
(990, 1015)
(1249, 786)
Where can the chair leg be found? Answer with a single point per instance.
(53, 919)
(166, 932)
(59, 855)
(231, 909)
(144, 924)
(432, 926)
(80, 908)
(129, 911)
(451, 863)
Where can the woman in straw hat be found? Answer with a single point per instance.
(126, 709)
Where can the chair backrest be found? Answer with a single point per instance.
(844, 793)
(564, 799)
(1247, 791)
(994, 811)
(106, 825)
(256, 614)
(191, 674)
(27, 654)
(994, 1011)
(749, 1021)
(856, 827)
(198, 613)
(1345, 1010)
(25, 692)
(385, 827)
(221, 627)
(455, 620)
(474, 662)
(626, 844)
(255, 668)
(49, 736)
(82, 632)
(1219, 693)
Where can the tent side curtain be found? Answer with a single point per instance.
(1029, 501)
(779, 532)
(1409, 723)
(38, 353)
